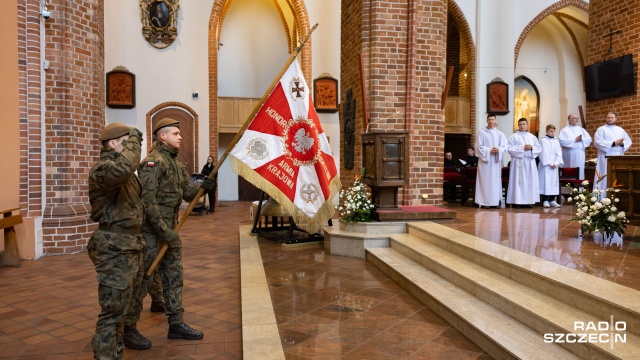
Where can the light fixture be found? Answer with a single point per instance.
(44, 11)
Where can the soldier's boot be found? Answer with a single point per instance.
(157, 306)
(184, 331)
(134, 340)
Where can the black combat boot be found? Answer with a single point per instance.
(157, 306)
(134, 340)
(184, 331)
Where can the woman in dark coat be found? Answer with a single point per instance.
(206, 170)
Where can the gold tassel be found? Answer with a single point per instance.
(310, 225)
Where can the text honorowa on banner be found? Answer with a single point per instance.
(285, 152)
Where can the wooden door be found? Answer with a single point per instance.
(246, 190)
(187, 146)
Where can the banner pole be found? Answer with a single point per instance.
(233, 143)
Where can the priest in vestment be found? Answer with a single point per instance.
(490, 144)
(574, 139)
(523, 174)
(610, 139)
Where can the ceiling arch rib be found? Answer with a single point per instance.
(285, 12)
(571, 18)
(577, 6)
(294, 25)
(576, 45)
(285, 23)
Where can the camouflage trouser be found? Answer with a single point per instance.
(170, 270)
(117, 277)
(154, 284)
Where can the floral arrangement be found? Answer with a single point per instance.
(597, 213)
(355, 204)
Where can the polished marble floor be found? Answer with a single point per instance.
(327, 306)
(551, 235)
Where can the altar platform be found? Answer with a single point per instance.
(419, 212)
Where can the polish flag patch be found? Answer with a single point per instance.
(151, 164)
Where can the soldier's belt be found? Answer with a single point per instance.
(120, 230)
(170, 208)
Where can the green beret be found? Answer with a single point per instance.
(164, 123)
(114, 131)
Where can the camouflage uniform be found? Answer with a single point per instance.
(154, 285)
(165, 184)
(115, 247)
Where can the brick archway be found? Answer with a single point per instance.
(469, 48)
(580, 4)
(216, 19)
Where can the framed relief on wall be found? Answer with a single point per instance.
(497, 97)
(325, 93)
(159, 21)
(121, 88)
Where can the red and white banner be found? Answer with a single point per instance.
(285, 152)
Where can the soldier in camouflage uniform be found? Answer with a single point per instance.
(115, 248)
(155, 290)
(165, 184)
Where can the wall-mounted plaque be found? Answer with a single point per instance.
(349, 115)
(497, 97)
(121, 88)
(159, 21)
(325, 93)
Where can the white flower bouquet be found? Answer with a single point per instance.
(597, 213)
(355, 203)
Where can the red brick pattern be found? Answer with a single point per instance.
(30, 115)
(605, 16)
(404, 46)
(73, 96)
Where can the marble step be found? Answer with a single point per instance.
(541, 312)
(351, 239)
(498, 334)
(598, 297)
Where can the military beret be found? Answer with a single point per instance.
(114, 131)
(164, 123)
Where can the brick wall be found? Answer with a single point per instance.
(605, 16)
(353, 41)
(30, 90)
(453, 56)
(404, 47)
(74, 115)
(427, 130)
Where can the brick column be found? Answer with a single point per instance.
(74, 115)
(404, 45)
(605, 16)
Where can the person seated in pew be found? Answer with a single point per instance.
(471, 159)
(451, 176)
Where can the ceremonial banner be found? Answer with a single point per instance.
(285, 152)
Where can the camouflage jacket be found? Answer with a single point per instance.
(165, 183)
(114, 190)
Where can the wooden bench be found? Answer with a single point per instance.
(10, 256)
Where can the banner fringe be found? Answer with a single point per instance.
(310, 225)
